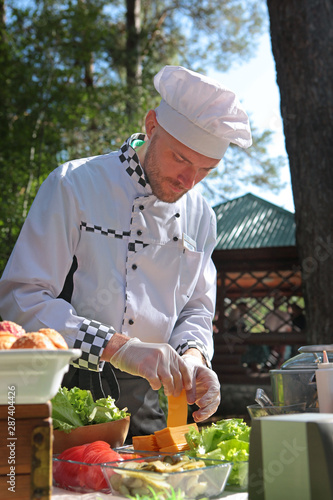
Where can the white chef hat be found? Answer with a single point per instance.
(199, 112)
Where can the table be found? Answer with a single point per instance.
(60, 494)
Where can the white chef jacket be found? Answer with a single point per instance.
(144, 266)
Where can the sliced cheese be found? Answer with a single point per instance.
(175, 448)
(172, 435)
(169, 439)
(145, 443)
(177, 410)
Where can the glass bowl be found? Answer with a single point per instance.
(84, 477)
(237, 479)
(78, 476)
(202, 479)
(257, 411)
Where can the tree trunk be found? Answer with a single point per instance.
(133, 51)
(302, 44)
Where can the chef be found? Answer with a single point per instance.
(115, 254)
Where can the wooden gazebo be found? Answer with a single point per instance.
(258, 275)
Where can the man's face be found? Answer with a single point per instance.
(172, 168)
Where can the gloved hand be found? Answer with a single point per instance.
(205, 391)
(160, 364)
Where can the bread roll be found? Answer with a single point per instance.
(33, 340)
(12, 328)
(55, 337)
(6, 340)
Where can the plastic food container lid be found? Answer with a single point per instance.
(308, 358)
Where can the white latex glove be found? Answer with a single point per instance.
(160, 364)
(205, 391)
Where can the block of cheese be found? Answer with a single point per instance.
(169, 439)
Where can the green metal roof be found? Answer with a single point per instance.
(251, 222)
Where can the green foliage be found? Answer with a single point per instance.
(245, 167)
(76, 78)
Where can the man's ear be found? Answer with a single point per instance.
(151, 123)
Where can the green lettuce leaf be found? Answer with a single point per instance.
(75, 407)
(83, 403)
(106, 411)
(64, 415)
(224, 440)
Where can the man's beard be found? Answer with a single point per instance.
(160, 185)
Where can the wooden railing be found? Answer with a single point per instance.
(231, 347)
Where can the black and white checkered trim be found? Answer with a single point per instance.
(128, 155)
(93, 228)
(133, 246)
(194, 344)
(92, 338)
(136, 246)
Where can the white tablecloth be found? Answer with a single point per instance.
(59, 494)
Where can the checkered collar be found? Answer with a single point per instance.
(128, 156)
